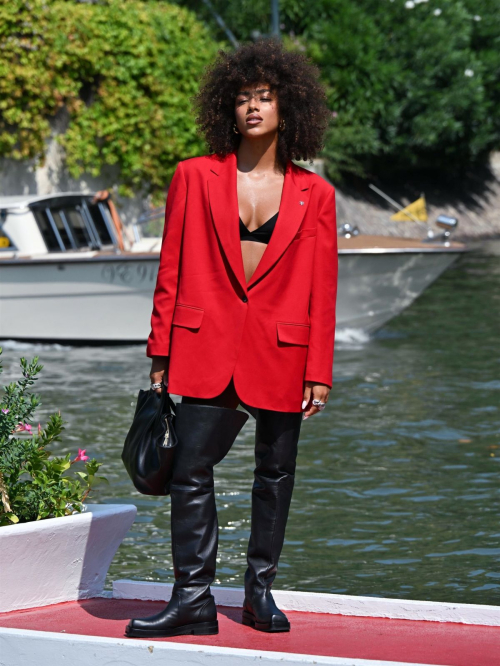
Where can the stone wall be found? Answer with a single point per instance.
(475, 202)
(28, 177)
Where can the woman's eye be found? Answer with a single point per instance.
(262, 99)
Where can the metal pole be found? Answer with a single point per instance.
(275, 16)
(394, 203)
(222, 24)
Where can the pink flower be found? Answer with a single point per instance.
(22, 426)
(81, 455)
(39, 428)
(5, 411)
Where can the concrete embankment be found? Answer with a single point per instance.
(474, 201)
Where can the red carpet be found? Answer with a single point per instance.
(422, 642)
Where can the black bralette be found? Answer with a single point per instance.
(262, 234)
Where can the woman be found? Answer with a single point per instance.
(243, 313)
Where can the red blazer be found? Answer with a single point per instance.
(270, 334)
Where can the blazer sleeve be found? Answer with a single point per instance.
(322, 305)
(165, 292)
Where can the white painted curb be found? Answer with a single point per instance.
(60, 559)
(45, 648)
(337, 604)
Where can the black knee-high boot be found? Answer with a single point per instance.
(206, 433)
(276, 439)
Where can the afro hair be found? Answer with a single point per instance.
(292, 77)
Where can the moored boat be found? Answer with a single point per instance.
(82, 276)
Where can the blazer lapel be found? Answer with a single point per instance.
(293, 205)
(223, 198)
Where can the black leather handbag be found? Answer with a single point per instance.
(149, 449)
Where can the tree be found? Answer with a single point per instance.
(411, 83)
(123, 72)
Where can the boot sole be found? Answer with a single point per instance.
(249, 620)
(197, 629)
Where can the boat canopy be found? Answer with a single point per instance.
(66, 222)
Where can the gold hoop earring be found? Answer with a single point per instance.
(235, 129)
(281, 125)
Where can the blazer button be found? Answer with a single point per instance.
(244, 299)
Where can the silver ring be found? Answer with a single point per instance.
(156, 385)
(319, 404)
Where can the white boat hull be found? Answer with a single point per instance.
(109, 298)
(374, 288)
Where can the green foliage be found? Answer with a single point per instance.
(412, 84)
(32, 484)
(123, 72)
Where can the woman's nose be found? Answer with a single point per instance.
(253, 103)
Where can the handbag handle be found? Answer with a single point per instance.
(167, 404)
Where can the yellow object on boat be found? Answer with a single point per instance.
(417, 211)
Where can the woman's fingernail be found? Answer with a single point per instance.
(304, 403)
(305, 417)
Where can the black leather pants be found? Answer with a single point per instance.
(276, 442)
(206, 433)
(207, 429)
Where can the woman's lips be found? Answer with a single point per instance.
(254, 121)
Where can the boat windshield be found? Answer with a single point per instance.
(73, 223)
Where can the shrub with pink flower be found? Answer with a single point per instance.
(33, 484)
(81, 455)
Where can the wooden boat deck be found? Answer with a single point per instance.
(373, 242)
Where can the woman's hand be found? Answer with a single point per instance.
(159, 370)
(314, 391)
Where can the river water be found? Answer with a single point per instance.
(397, 487)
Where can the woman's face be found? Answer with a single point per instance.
(256, 110)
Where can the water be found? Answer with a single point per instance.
(397, 489)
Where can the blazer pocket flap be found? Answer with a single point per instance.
(305, 232)
(295, 334)
(187, 315)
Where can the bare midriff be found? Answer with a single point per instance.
(252, 253)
